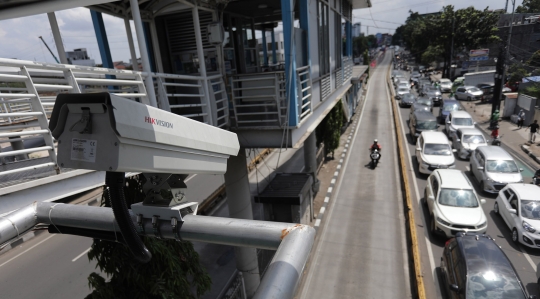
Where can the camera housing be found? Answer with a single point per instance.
(106, 132)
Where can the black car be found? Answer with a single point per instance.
(407, 100)
(447, 106)
(474, 266)
(420, 121)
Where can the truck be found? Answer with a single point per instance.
(472, 79)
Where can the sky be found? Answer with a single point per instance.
(19, 38)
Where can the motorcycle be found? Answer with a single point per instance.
(375, 156)
(536, 181)
(496, 141)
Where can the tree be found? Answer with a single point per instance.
(359, 45)
(516, 72)
(329, 130)
(432, 54)
(397, 38)
(534, 61)
(173, 272)
(366, 57)
(371, 41)
(529, 6)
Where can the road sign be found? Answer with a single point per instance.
(478, 58)
(479, 52)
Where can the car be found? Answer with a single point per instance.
(473, 266)
(433, 151)
(457, 82)
(494, 168)
(446, 85)
(407, 100)
(519, 207)
(421, 121)
(415, 74)
(487, 89)
(402, 84)
(465, 141)
(457, 120)
(421, 103)
(402, 91)
(394, 73)
(424, 87)
(506, 89)
(468, 93)
(434, 93)
(397, 78)
(447, 106)
(453, 204)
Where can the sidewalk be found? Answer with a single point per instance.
(512, 137)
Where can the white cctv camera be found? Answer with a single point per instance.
(105, 132)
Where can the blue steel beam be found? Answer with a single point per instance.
(274, 56)
(287, 10)
(348, 33)
(103, 42)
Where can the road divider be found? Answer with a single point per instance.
(409, 214)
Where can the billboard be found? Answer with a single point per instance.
(478, 55)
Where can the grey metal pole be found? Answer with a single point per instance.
(202, 66)
(148, 81)
(506, 7)
(498, 94)
(16, 145)
(452, 48)
(17, 223)
(310, 159)
(57, 37)
(134, 63)
(239, 202)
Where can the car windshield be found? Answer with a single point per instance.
(458, 198)
(473, 139)
(445, 81)
(434, 88)
(450, 107)
(492, 285)
(403, 89)
(408, 96)
(425, 102)
(426, 125)
(437, 149)
(474, 89)
(530, 209)
(502, 166)
(462, 121)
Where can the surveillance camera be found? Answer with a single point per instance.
(105, 132)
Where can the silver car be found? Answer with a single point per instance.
(435, 94)
(402, 91)
(469, 93)
(465, 141)
(493, 167)
(445, 84)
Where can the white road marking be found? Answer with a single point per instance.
(322, 210)
(417, 192)
(468, 168)
(317, 254)
(330, 189)
(40, 242)
(340, 161)
(326, 199)
(317, 222)
(80, 255)
(336, 173)
(528, 257)
(333, 181)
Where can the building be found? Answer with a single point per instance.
(80, 57)
(279, 50)
(356, 32)
(525, 34)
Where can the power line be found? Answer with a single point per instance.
(372, 18)
(378, 20)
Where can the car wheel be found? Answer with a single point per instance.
(515, 236)
(432, 228)
(469, 99)
(496, 208)
(482, 187)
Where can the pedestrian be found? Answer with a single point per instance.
(521, 118)
(534, 129)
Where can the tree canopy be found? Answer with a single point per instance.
(429, 37)
(529, 6)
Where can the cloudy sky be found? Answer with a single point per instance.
(19, 37)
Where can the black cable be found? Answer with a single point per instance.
(115, 182)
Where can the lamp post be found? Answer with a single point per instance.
(501, 66)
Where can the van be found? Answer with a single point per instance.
(421, 121)
(458, 82)
(494, 168)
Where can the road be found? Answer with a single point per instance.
(361, 250)
(523, 259)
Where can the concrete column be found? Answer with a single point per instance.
(202, 64)
(239, 202)
(310, 159)
(155, 45)
(134, 65)
(148, 81)
(57, 38)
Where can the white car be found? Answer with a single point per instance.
(458, 120)
(401, 91)
(446, 85)
(403, 84)
(453, 204)
(433, 151)
(469, 93)
(519, 207)
(465, 141)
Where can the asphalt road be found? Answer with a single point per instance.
(361, 250)
(523, 259)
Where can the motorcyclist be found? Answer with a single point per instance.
(375, 146)
(495, 132)
(494, 119)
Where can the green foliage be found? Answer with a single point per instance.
(529, 6)
(432, 54)
(329, 130)
(533, 91)
(534, 61)
(516, 73)
(359, 45)
(173, 272)
(397, 38)
(371, 41)
(366, 57)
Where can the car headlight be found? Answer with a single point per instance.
(483, 224)
(441, 221)
(528, 227)
(489, 180)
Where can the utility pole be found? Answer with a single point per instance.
(506, 7)
(451, 47)
(501, 66)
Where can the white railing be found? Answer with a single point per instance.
(28, 92)
(259, 99)
(304, 84)
(347, 68)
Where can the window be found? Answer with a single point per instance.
(507, 194)
(337, 40)
(435, 186)
(324, 43)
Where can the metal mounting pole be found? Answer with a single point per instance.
(502, 62)
(134, 63)
(202, 65)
